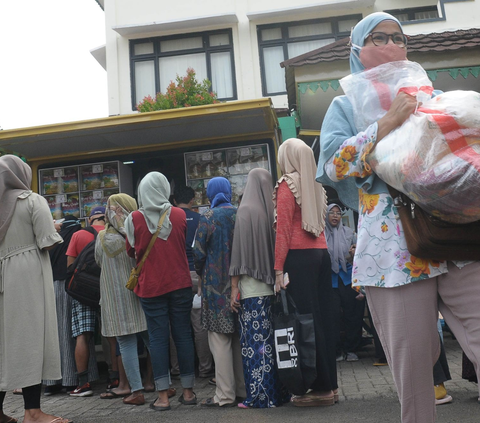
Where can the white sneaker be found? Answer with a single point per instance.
(445, 400)
(351, 357)
(340, 357)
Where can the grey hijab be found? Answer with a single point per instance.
(153, 194)
(253, 249)
(339, 240)
(15, 180)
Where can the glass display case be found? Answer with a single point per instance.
(232, 163)
(76, 190)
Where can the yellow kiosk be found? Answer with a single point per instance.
(77, 165)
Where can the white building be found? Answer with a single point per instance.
(239, 44)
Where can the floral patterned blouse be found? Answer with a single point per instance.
(381, 256)
(212, 251)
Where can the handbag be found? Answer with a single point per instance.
(434, 239)
(135, 273)
(294, 336)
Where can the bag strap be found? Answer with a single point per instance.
(283, 296)
(152, 241)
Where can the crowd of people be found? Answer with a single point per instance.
(207, 283)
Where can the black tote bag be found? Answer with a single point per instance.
(294, 336)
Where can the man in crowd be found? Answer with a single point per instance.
(83, 316)
(183, 198)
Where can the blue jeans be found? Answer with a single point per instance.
(170, 310)
(129, 351)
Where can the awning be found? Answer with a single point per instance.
(235, 120)
(322, 6)
(174, 25)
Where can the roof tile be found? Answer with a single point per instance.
(435, 41)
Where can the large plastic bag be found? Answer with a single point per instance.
(371, 92)
(434, 157)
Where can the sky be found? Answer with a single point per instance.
(47, 73)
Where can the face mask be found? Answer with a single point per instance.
(111, 215)
(372, 56)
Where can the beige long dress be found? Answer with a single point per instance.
(29, 349)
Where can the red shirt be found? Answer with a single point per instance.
(80, 239)
(290, 235)
(166, 268)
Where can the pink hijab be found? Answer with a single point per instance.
(15, 179)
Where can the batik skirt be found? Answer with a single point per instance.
(264, 389)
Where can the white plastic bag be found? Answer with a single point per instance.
(434, 157)
(197, 301)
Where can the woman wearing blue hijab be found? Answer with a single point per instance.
(405, 293)
(212, 251)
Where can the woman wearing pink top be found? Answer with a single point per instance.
(301, 251)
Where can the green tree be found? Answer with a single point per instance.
(183, 92)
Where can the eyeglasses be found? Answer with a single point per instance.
(381, 38)
(335, 213)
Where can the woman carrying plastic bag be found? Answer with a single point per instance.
(405, 292)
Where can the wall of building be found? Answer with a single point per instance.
(249, 13)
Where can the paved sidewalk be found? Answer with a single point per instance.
(367, 394)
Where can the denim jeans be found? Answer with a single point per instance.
(162, 312)
(129, 351)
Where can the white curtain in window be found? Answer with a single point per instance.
(143, 48)
(181, 44)
(296, 49)
(274, 74)
(144, 80)
(310, 29)
(222, 82)
(347, 25)
(172, 66)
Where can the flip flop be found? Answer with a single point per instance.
(312, 401)
(61, 420)
(193, 401)
(112, 395)
(159, 407)
(210, 402)
(12, 420)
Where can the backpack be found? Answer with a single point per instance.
(83, 276)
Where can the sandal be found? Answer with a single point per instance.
(312, 401)
(192, 401)
(210, 402)
(159, 407)
(113, 395)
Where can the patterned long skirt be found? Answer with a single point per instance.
(263, 387)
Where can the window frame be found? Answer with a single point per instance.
(157, 54)
(285, 40)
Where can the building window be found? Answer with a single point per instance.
(155, 62)
(283, 41)
(415, 13)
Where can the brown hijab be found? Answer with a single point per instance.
(15, 179)
(298, 167)
(253, 249)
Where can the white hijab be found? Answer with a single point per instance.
(153, 194)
